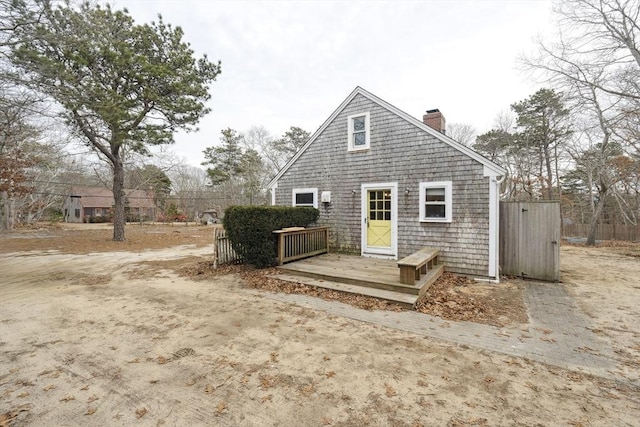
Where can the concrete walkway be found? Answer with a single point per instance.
(557, 333)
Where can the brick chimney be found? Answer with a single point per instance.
(434, 119)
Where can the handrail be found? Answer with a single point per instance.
(296, 243)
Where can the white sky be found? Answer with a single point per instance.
(291, 63)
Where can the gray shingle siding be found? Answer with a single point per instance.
(400, 152)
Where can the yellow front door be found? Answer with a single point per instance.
(379, 218)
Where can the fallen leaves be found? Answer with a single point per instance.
(221, 407)
(141, 412)
(489, 379)
(452, 297)
(458, 298)
(389, 391)
(7, 418)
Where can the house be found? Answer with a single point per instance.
(95, 204)
(388, 184)
(208, 217)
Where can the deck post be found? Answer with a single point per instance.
(280, 248)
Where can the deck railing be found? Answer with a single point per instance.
(298, 242)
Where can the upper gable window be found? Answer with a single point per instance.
(359, 132)
(435, 201)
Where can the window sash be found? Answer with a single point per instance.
(359, 132)
(436, 201)
(304, 197)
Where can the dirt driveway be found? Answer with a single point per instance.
(93, 334)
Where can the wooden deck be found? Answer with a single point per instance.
(379, 278)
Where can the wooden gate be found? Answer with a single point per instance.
(530, 240)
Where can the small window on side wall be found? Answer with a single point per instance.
(359, 134)
(305, 197)
(435, 201)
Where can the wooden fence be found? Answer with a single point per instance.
(223, 251)
(604, 232)
(297, 243)
(529, 239)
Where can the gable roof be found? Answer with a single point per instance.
(496, 169)
(102, 197)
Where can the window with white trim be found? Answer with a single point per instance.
(435, 201)
(304, 197)
(359, 134)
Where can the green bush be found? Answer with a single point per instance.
(250, 229)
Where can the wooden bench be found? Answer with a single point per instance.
(416, 264)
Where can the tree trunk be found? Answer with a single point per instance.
(4, 211)
(119, 199)
(593, 225)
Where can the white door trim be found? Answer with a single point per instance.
(392, 252)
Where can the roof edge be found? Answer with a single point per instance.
(497, 169)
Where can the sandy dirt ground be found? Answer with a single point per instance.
(606, 284)
(107, 337)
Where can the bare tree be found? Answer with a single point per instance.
(464, 133)
(259, 139)
(595, 61)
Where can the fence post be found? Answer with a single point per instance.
(326, 239)
(215, 248)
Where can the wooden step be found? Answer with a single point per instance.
(371, 279)
(401, 298)
(430, 278)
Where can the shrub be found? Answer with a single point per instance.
(250, 229)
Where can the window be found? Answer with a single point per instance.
(77, 213)
(359, 132)
(305, 197)
(435, 201)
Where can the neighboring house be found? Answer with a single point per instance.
(209, 217)
(95, 204)
(388, 184)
